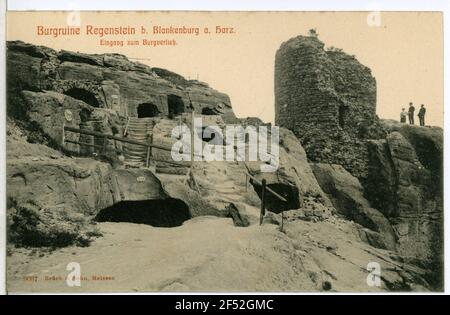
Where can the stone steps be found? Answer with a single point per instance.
(139, 129)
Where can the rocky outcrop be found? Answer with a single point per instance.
(47, 112)
(400, 199)
(427, 142)
(293, 178)
(52, 198)
(408, 190)
(347, 196)
(108, 81)
(84, 86)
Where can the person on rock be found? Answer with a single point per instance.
(403, 115)
(411, 113)
(421, 115)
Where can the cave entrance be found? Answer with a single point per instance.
(83, 95)
(176, 105)
(147, 110)
(273, 204)
(85, 115)
(158, 213)
(343, 112)
(207, 111)
(211, 136)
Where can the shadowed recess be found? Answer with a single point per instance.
(83, 95)
(176, 105)
(209, 111)
(289, 192)
(210, 136)
(159, 213)
(147, 110)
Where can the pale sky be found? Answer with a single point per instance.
(405, 52)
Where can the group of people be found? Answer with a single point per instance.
(410, 114)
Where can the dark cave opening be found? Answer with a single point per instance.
(147, 110)
(211, 136)
(158, 213)
(176, 105)
(343, 112)
(273, 204)
(85, 115)
(83, 95)
(207, 111)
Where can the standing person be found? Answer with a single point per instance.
(403, 115)
(411, 113)
(421, 115)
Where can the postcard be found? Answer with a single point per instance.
(185, 151)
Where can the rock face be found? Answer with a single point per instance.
(328, 99)
(346, 193)
(293, 179)
(108, 81)
(405, 183)
(52, 198)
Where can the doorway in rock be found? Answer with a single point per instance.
(176, 105)
(343, 110)
(207, 111)
(83, 95)
(159, 213)
(211, 136)
(85, 114)
(273, 204)
(147, 110)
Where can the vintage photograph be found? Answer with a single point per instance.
(224, 151)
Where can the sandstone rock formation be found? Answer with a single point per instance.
(405, 184)
(98, 91)
(293, 178)
(52, 197)
(57, 190)
(109, 81)
(346, 193)
(384, 175)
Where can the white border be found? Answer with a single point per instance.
(228, 5)
(224, 5)
(3, 148)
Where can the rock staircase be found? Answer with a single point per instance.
(139, 129)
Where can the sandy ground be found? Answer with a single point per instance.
(205, 254)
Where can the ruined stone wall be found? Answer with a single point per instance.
(328, 99)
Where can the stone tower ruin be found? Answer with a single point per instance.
(328, 99)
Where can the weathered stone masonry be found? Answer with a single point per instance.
(328, 99)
